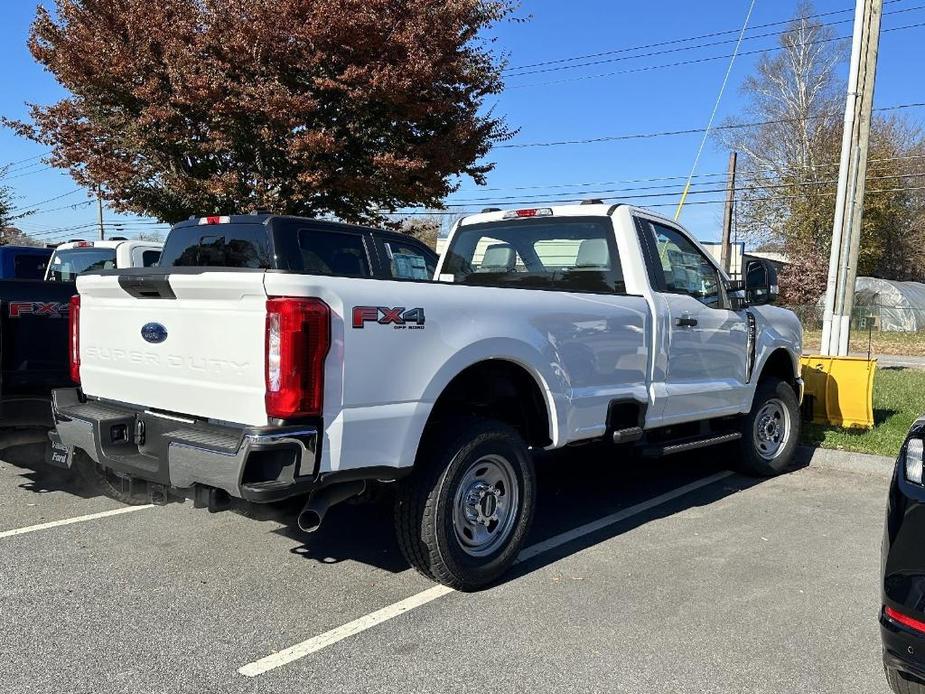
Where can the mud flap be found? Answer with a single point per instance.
(57, 454)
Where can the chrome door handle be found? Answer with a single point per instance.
(686, 322)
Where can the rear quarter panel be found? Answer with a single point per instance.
(382, 380)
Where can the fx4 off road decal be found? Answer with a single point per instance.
(412, 318)
(49, 309)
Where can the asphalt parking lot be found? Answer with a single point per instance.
(642, 576)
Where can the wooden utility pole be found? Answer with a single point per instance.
(726, 248)
(99, 206)
(849, 203)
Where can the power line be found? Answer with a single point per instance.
(523, 73)
(611, 192)
(693, 61)
(11, 164)
(459, 209)
(687, 131)
(39, 204)
(112, 226)
(60, 231)
(719, 98)
(671, 42)
(25, 172)
(85, 203)
(747, 175)
(534, 199)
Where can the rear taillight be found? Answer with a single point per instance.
(298, 339)
(904, 619)
(73, 317)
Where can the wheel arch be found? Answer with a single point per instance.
(502, 389)
(781, 364)
(484, 379)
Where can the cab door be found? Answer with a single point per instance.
(707, 341)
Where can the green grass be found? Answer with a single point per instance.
(899, 398)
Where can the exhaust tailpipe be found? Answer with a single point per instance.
(311, 516)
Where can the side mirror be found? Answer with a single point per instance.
(736, 293)
(760, 282)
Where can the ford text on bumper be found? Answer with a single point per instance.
(259, 464)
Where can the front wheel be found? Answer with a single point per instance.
(771, 431)
(464, 513)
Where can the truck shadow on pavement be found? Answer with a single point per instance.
(575, 487)
(40, 478)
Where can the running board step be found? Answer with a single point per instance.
(692, 444)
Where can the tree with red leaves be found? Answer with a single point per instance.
(309, 107)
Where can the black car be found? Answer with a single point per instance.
(902, 615)
(296, 244)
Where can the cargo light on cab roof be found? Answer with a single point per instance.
(529, 212)
(215, 220)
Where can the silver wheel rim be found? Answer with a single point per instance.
(771, 429)
(485, 505)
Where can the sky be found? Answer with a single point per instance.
(569, 104)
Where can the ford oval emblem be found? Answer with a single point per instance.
(154, 333)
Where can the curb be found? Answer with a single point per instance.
(845, 461)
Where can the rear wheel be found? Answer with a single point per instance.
(463, 515)
(107, 482)
(771, 431)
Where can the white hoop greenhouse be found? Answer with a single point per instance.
(889, 305)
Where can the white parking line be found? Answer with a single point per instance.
(69, 521)
(300, 650)
(328, 638)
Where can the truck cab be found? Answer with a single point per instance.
(74, 257)
(23, 262)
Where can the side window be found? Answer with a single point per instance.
(333, 253)
(407, 261)
(149, 258)
(684, 268)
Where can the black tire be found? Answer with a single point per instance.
(450, 461)
(106, 482)
(758, 456)
(900, 685)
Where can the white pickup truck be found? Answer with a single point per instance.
(244, 366)
(73, 257)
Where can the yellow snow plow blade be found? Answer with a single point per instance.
(840, 390)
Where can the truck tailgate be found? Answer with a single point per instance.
(202, 353)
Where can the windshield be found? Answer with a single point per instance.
(67, 264)
(217, 245)
(571, 254)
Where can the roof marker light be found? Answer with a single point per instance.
(530, 212)
(215, 220)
